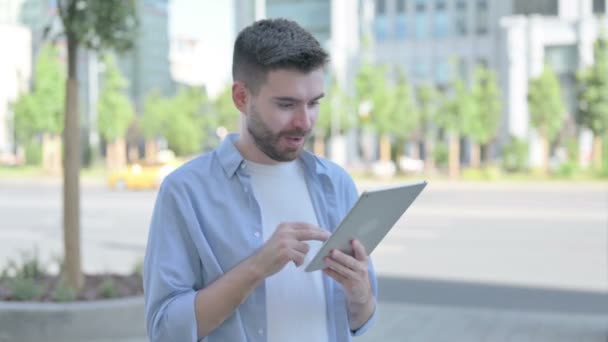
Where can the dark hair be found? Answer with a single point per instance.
(272, 44)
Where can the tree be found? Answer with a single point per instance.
(481, 125)
(226, 114)
(40, 112)
(451, 118)
(593, 97)
(335, 115)
(404, 116)
(546, 110)
(152, 122)
(115, 114)
(99, 25)
(372, 89)
(426, 99)
(189, 121)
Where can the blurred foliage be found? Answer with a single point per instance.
(224, 112)
(33, 152)
(115, 111)
(592, 92)
(107, 288)
(62, 292)
(41, 110)
(515, 155)
(335, 105)
(441, 154)
(481, 122)
(546, 106)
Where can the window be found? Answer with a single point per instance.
(421, 25)
(420, 5)
(563, 59)
(460, 20)
(381, 28)
(401, 26)
(542, 7)
(380, 7)
(421, 69)
(442, 72)
(481, 17)
(401, 6)
(599, 6)
(441, 24)
(440, 5)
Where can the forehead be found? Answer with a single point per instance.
(293, 83)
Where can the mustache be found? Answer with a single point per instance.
(299, 133)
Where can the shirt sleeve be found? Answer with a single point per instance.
(171, 269)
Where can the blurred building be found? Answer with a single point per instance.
(201, 48)
(434, 40)
(15, 71)
(146, 67)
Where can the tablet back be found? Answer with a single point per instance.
(370, 219)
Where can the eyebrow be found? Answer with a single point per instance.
(293, 99)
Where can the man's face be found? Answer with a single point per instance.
(282, 114)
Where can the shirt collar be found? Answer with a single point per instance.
(231, 159)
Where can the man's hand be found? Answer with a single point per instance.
(352, 273)
(287, 244)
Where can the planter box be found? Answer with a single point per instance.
(120, 320)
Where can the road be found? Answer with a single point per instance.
(551, 235)
(467, 262)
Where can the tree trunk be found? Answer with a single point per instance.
(475, 155)
(51, 154)
(545, 154)
(151, 151)
(597, 151)
(116, 155)
(319, 146)
(385, 148)
(429, 160)
(71, 175)
(454, 157)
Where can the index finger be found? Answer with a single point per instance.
(306, 232)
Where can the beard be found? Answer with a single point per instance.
(268, 141)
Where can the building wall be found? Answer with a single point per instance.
(15, 68)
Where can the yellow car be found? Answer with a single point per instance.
(140, 176)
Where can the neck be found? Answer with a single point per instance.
(250, 151)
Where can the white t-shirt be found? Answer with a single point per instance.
(295, 299)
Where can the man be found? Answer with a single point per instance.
(232, 229)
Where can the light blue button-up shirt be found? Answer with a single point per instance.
(206, 221)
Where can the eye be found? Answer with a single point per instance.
(314, 103)
(285, 105)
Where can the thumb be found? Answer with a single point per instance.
(359, 250)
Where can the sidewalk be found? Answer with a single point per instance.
(405, 322)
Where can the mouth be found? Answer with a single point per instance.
(294, 141)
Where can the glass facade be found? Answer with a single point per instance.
(481, 17)
(313, 15)
(460, 18)
(442, 24)
(401, 31)
(421, 20)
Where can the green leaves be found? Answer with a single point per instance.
(593, 91)
(41, 110)
(100, 24)
(481, 124)
(545, 104)
(115, 111)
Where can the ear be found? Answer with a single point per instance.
(240, 96)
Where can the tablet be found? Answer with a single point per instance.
(370, 219)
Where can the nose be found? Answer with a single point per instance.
(303, 118)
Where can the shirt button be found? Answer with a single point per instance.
(243, 166)
(261, 332)
(256, 234)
